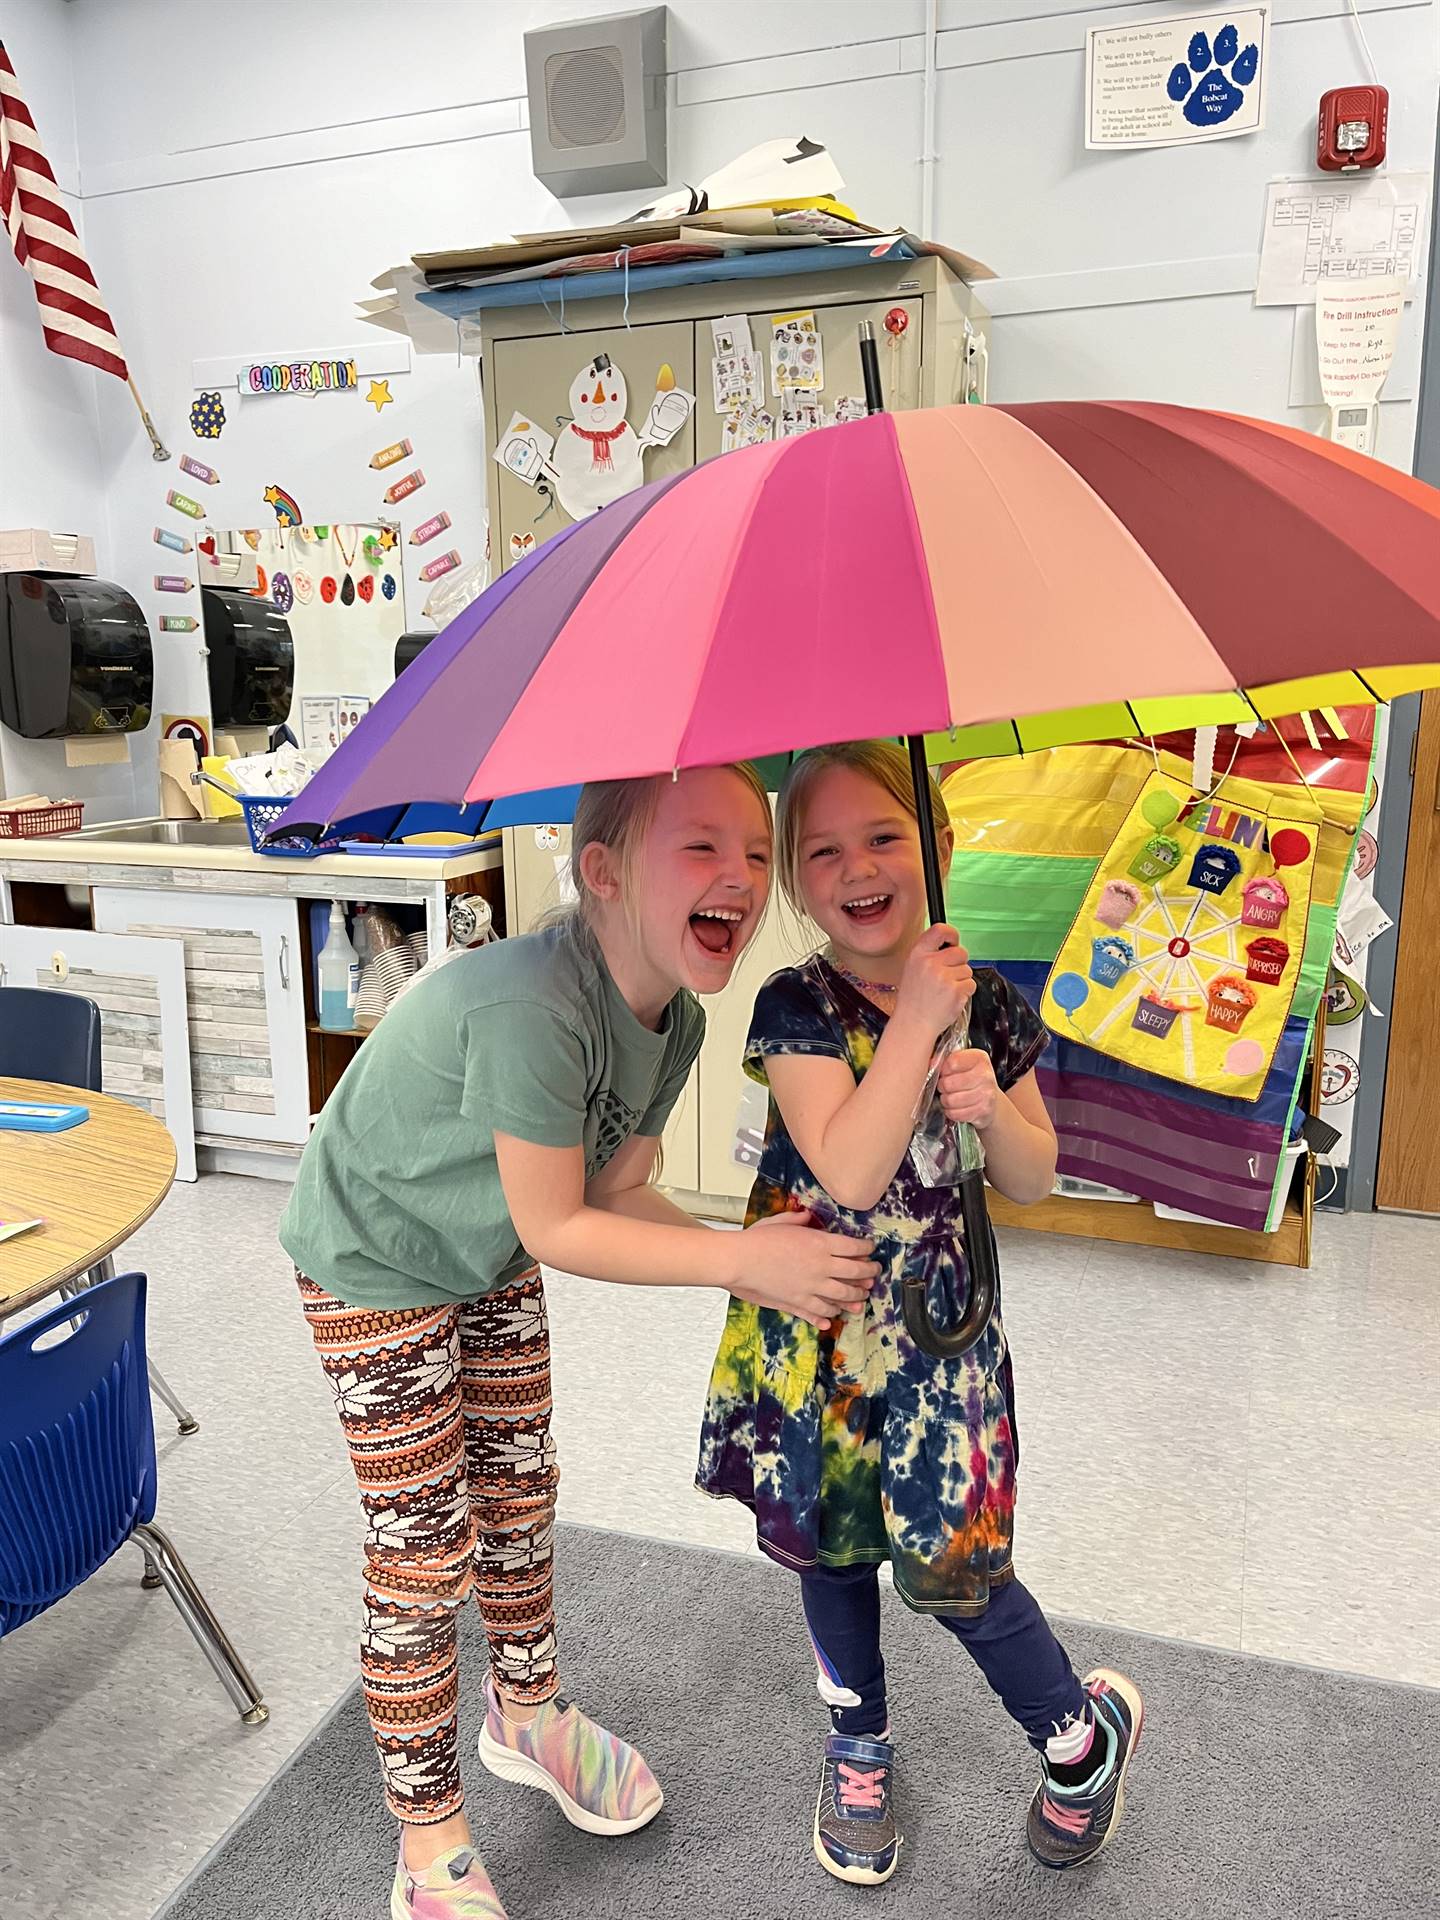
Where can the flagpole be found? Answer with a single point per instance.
(158, 449)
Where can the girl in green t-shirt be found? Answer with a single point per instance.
(512, 1102)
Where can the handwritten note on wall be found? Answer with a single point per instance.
(1356, 328)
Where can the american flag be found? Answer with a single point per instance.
(45, 242)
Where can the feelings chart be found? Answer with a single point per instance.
(1186, 952)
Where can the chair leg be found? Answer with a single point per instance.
(68, 1291)
(161, 1387)
(195, 1611)
(150, 1579)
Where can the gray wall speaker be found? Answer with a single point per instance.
(597, 102)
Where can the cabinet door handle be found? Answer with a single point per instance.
(285, 961)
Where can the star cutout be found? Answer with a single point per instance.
(379, 395)
(388, 537)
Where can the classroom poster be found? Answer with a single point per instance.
(1184, 957)
(1176, 82)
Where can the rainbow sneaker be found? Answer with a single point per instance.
(1068, 1825)
(599, 1783)
(856, 1838)
(454, 1887)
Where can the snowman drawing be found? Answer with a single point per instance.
(598, 455)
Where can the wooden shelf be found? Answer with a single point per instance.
(336, 1033)
(1114, 1220)
(1140, 1225)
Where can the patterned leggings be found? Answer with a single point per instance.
(446, 1411)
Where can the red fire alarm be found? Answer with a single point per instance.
(1351, 132)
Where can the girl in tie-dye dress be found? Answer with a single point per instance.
(850, 1445)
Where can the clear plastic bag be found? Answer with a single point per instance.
(941, 1151)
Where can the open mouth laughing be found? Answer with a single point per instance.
(869, 909)
(717, 930)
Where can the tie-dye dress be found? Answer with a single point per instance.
(851, 1446)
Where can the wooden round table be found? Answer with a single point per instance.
(92, 1185)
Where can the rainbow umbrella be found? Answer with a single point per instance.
(1003, 577)
(1000, 577)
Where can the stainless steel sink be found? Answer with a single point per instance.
(168, 833)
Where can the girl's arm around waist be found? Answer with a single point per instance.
(615, 1232)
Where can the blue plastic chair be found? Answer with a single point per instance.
(77, 1468)
(49, 1036)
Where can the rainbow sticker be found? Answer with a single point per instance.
(287, 513)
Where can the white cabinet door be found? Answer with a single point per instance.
(247, 1004)
(139, 987)
(781, 941)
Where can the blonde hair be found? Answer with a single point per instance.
(883, 761)
(617, 814)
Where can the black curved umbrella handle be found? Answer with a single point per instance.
(980, 1262)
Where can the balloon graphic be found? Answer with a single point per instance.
(1069, 991)
(1246, 1056)
(1289, 847)
(1160, 808)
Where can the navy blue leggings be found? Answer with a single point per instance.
(1011, 1643)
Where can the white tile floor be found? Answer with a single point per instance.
(1259, 1467)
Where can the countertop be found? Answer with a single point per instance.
(87, 851)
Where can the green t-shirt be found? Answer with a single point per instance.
(398, 1201)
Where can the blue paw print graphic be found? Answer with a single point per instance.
(1212, 84)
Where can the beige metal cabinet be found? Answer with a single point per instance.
(534, 376)
(900, 356)
(532, 354)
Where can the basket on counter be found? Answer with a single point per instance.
(261, 812)
(33, 823)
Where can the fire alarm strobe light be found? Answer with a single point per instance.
(1351, 132)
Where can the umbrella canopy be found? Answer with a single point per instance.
(1008, 577)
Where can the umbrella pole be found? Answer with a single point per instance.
(974, 1216)
(929, 852)
(975, 1220)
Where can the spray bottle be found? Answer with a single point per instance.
(339, 972)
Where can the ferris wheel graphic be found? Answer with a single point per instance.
(1179, 951)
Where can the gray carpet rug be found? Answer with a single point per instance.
(1261, 1791)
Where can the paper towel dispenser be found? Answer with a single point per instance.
(252, 658)
(75, 657)
(409, 647)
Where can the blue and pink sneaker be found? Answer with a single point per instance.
(599, 1783)
(856, 1838)
(1070, 1824)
